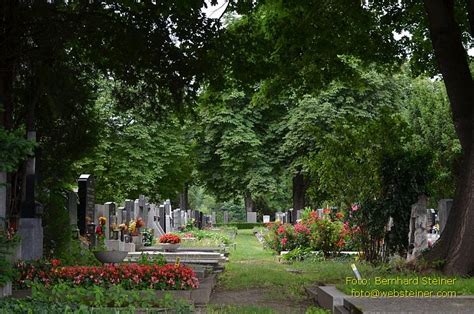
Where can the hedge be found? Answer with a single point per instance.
(241, 225)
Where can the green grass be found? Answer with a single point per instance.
(253, 266)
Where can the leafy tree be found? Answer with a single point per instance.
(233, 161)
(137, 154)
(426, 110)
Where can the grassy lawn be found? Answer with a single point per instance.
(253, 266)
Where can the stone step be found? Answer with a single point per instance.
(340, 309)
(329, 297)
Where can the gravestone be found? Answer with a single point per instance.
(279, 216)
(226, 217)
(213, 218)
(119, 213)
(136, 209)
(320, 212)
(184, 218)
(298, 214)
(177, 218)
(153, 221)
(444, 207)
(111, 209)
(72, 208)
(266, 219)
(129, 212)
(86, 208)
(162, 217)
(418, 235)
(197, 219)
(201, 220)
(142, 208)
(251, 217)
(31, 233)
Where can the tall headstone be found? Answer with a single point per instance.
(226, 217)
(142, 208)
(201, 220)
(298, 214)
(418, 234)
(162, 217)
(444, 207)
(111, 209)
(129, 204)
(72, 207)
(86, 208)
(136, 209)
(213, 218)
(119, 213)
(176, 218)
(266, 219)
(251, 217)
(154, 221)
(31, 233)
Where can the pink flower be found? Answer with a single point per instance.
(281, 229)
(355, 207)
(283, 242)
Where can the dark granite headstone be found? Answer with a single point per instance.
(129, 204)
(162, 217)
(86, 207)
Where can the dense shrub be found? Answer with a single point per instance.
(327, 234)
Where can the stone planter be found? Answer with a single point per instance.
(138, 241)
(170, 247)
(107, 257)
(6, 290)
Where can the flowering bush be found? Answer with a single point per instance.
(170, 238)
(328, 233)
(130, 276)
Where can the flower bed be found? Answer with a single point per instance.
(130, 276)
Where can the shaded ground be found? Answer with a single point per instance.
(261, 298)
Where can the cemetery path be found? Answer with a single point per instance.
(255, 282)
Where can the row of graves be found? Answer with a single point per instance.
(135, 229)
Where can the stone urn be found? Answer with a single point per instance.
(110, 257)
(170, 247)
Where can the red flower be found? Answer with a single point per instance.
(281, 229)
(98, 230)
(339, 215)
(170, 238)
(55, 262)
(284, 241)
(327, 211)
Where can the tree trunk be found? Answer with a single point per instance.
(456, 245)
(300, 185)
(248, 202)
